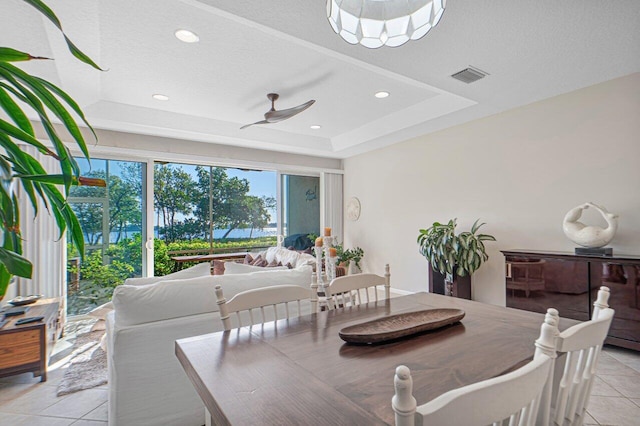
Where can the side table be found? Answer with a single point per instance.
(26, 348)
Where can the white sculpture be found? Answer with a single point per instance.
(587, 235)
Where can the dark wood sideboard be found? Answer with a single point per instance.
(537, 280)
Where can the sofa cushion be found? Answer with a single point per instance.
(284, 256)
(241, 268)
(199, 270)
(177, 298)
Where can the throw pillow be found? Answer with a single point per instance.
(232, 268)
(248, 259)
(256, 261)
(274, 264)
(218, 267)
(262, 263)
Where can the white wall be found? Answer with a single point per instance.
(519, 171)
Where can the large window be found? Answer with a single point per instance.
(112, 223)
(196, 210)
(207, 209)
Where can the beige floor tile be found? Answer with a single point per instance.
(84, 422)
(28, 399)
(611, 366)
(621, 354)
(636, 401)
(77, 404)
(589, 420)
(628, 386)
(614, 411)
(600, 388)
(9, 391)
(100, 413)
(49, 421)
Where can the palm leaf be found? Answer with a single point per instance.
(46, 11)
(15, 264)
(14, 112)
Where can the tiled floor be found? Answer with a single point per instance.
(24, 400)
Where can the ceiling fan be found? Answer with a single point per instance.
(273, 116)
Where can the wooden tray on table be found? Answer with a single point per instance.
(400, 325)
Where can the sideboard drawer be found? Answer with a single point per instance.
(20, 347)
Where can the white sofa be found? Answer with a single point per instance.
(147, 385)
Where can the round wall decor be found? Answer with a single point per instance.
(353, 208)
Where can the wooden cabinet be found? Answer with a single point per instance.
(537, 280)
(26, 348)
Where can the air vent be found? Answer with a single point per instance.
(469, 75)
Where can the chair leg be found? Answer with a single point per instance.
(208, 421)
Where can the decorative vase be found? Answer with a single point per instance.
(353, 268)
(448, 285)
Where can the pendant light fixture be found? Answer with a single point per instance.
(377, 23)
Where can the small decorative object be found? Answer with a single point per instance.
(593, 238)
(327, 232)
(452, 254)
(24, 300)
(331, 266)
(317, 250)
(400, 325)
(353, 209)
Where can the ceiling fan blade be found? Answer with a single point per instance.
(283, 114)
(253, 124)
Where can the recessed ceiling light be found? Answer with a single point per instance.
(381, 94)
(187, 36)
(315, 127)
(160, 97)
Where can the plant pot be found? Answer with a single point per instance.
(353, 269)
(448, 285)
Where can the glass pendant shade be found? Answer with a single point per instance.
(377, 23)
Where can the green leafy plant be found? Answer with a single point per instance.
(452, 254)
(19, 89)
(348, 255)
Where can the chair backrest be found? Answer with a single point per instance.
(514, 397)
(581, 344)
(355, 289)
(259, 299)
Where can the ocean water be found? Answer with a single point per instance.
(217, 233)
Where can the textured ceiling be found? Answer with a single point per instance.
(532, 51)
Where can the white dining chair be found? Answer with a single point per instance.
(581, 346)
(355, 289)
(513, 398)
(289, 297)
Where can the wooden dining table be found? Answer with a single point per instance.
(300, 372)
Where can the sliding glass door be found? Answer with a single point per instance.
(300, 207)
(112, 220)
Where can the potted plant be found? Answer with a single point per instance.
(349, 258)
(453, 255)
(18, 90)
